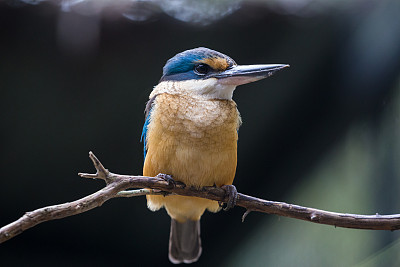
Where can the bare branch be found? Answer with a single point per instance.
(140, 192)
(118, 184)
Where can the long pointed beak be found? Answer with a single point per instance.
(243, 74)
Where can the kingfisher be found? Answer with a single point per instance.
(190, 136)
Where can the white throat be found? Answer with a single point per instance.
(203, 89)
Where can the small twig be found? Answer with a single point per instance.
(245, 215)
(117, 184)
(101, 172)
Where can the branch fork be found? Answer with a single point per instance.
(101, 172)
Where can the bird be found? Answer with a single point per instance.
(190, 136)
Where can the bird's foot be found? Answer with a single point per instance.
(168, 178)
(232, 196)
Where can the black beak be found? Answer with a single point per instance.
(238, 75)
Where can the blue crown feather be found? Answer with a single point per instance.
(181, 66)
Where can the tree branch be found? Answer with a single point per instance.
(117, 186)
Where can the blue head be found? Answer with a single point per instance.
(196, 63)
(207, 73)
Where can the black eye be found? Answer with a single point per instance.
(202, 69)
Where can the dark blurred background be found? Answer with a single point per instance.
(325, 133)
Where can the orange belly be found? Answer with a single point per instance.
(195, 152)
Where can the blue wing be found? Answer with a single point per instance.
(144, 134)
(143, 137)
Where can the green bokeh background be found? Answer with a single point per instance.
(324, 133)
